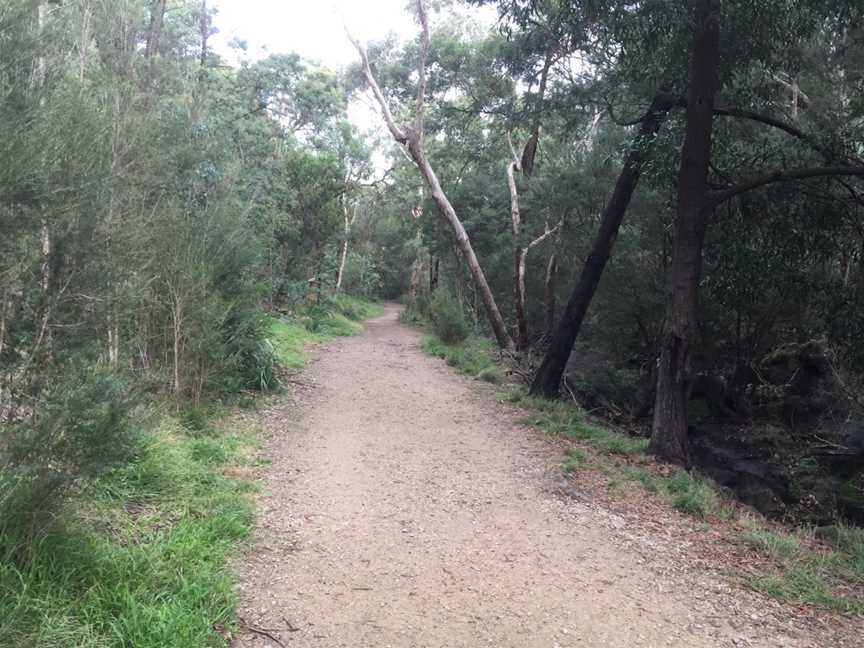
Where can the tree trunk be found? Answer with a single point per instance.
(434, 263)
(669, 431)
(549, 292)
(347, 232)
(548, 378)
(411, 137)
(448, 214)
(204, 28)
(154, 33)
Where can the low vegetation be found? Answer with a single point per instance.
(138, 554)
(825, 571)
(293, 337)
(470, 357)
(139, 557)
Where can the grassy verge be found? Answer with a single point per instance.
(621, 457)
(827, 574)
(139, 556)
(471, 357)
(292, 338)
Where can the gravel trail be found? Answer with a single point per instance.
(404, 508)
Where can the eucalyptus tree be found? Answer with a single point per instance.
(411, 136)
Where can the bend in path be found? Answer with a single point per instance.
(407, 510)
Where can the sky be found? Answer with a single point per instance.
(312, 28)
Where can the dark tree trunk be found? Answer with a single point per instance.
(549, 293)
(154, 33)
(548, 378)
(434, 263)
(669, 431)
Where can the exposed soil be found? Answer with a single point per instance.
(405, 507)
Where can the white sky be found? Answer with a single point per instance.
(312, 28)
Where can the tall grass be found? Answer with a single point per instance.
(140, 556)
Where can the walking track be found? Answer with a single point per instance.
(405, 508)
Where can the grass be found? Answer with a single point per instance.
(471, 357)
(807, 573)
(140, 556)
(340, 317)
(620, 456)
(292, 340)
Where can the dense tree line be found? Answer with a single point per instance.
(656, 205)
(672, 189)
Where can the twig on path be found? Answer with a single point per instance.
(260, 631)
(291, 627)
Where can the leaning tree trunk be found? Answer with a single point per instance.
(411, 137)
(549, 292)
(548, 378)
(669, 431)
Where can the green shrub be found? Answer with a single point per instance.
(78, 428)
(694, 496)
(448, 320)
(470, 357)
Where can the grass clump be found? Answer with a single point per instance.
(336, 317)
(574, 459)
(356, 308)
(140, 556)
(470, 357)
(807, 573)
(692, 495)
(560, 419)
(291, 341)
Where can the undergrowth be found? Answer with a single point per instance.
(470, 357)
(338, 317)
(829, 575)
(805, 572)
(139, 556)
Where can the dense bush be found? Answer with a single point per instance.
(79, 427)
(448, 320)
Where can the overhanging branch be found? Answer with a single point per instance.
(716, 198)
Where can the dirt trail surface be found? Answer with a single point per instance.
(406, 509)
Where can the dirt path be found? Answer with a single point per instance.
(407, 510)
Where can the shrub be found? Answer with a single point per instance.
(77, 428)
(448, 320)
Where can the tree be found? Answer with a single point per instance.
(411, 137)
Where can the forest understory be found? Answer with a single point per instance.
(638, 225)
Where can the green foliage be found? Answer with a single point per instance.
(291, 341)
(357, 309)
(78, 428)
(692, 495)
(292, 337)
(574, 459)
(140, 558)
(448, 320)
(806, 573)
(560, 419)
(469, 357)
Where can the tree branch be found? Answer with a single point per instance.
(545, 235)
(421, 67)
(716, 198)
(398, 134)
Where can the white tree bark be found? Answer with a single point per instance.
(411, 137)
